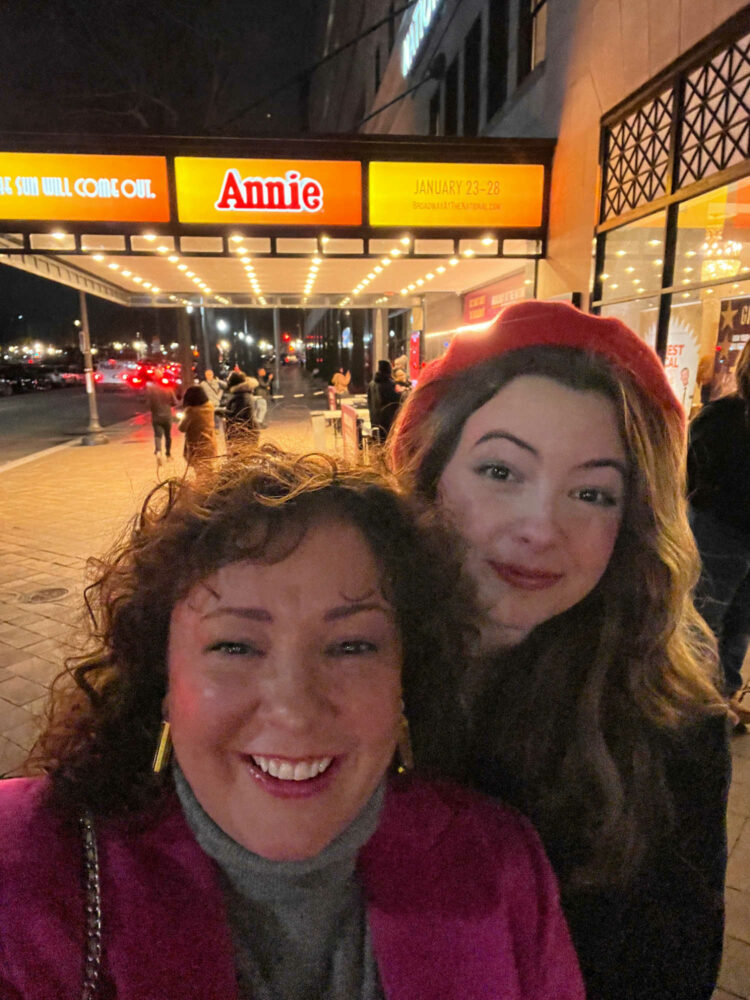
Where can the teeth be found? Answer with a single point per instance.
(284, 770)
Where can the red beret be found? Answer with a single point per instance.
(545, 324)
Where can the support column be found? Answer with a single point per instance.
(277, 347)
(206, 349)
(185, 351)
(380, 345)
(93, 433)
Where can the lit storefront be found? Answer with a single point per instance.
(672, 247)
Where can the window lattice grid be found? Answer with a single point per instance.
(638, 156)
(716, 120)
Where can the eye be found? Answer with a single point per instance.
(234, 649)
(351, 647)
(498, 471)
(594, 495)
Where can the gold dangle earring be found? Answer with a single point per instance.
(163, 748)
(404, 743)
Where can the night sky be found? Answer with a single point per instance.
(167, 67)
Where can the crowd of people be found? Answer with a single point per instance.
(212, 408)
(485, 754)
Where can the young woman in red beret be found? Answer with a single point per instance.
(555, 446)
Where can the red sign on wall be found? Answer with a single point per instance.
(349, 433)
(485, 303)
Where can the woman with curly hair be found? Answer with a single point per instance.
(554, 446)
(280, 855)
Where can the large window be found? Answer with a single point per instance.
(497, 55)
(472, 57)
(532, 35)
(681, 276)
(633, 259)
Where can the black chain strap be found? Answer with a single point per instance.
(93, 962)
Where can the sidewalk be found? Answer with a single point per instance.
(55, 512)
(63, 507)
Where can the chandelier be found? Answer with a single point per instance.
(721, 258)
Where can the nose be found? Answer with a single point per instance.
(293, 694)
(537, 522)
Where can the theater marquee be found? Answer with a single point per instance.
(262, 192)
(83, 188)
(425, 195)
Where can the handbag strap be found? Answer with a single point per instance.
(92, 966)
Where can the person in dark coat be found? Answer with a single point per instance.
(161, 399)
(554, 445)
(239, 411)
(719, 494)
(383, 398)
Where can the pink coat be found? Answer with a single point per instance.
(461, 903)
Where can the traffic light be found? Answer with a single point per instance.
(286, 338)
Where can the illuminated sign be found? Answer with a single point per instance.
(421, 19)
(279, 192)
(475, 195)
(83, 188)
(485, 303)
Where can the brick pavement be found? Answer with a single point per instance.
(69, 504)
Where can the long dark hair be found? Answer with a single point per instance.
(105, 712)
(574, 719)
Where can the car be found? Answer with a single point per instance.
(6, 387)
(113, 375)
(52, 374)
(25, 377)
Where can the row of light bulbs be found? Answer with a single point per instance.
(386, 261)
(173, 258)
(312, 274)
(250, 272)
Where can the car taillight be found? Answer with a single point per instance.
(98, 376)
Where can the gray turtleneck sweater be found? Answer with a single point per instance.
(299, 927)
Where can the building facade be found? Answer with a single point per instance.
(649, 104)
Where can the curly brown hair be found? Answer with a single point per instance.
(105, 711)
(578, 714)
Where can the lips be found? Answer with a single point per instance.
(523, 577)
(286, 778)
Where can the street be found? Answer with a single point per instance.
(33, 421)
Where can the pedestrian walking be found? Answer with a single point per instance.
(383, 398)
(239, 410)
(197, 425)
(719, 495)
(161, 399)
(280, 854)
(554, 446)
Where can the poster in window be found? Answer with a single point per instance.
(734, 333)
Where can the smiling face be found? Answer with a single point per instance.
(536, 487)
(285, 692)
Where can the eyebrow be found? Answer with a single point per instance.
(261, 615)
(593, 463)
(504, 436)
(605, 463)
(252, 614)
